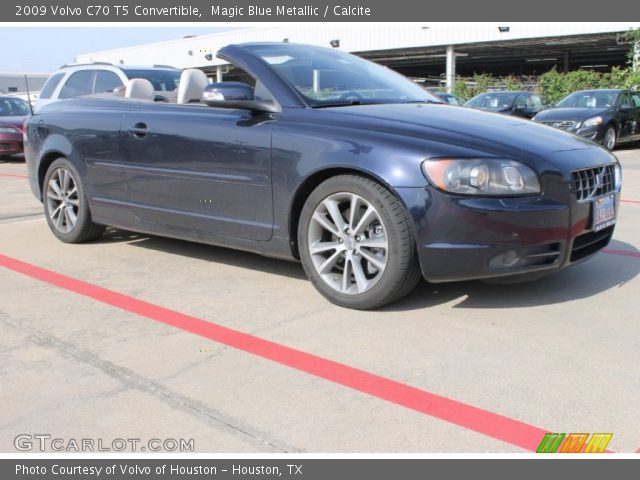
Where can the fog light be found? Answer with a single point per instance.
(505, 260)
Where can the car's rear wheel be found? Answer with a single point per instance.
(609, 139)
(356, 243)
(65, 204)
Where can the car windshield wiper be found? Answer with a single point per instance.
(338, 104)
(421, 101)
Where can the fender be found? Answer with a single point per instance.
(55, 146)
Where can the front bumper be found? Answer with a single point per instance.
(463, 238)
(11, 144)
(594, 133)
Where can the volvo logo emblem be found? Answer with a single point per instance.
(600, 180)
(350, 243)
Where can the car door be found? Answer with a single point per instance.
(527, 105)
(200, 168)
(626, 118)
(520, 106)
(635, 114)
(534, 105)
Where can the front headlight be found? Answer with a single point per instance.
(592, 122)
(9, 130)
(482, 176)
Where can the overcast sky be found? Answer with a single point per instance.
(44, 49)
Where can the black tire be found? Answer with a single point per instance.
(402, 271)
(608, 137)
(83, 230)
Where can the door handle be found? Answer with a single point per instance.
(139, 130)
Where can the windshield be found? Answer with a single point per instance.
(162, 80)
(327, 77)
(13, 107)
(589, 99)
(493, 100)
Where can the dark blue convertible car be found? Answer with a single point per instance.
(324, 157)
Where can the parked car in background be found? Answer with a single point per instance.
(13, 112)
(327, 158)
(446, 97)
(520, 104)
(608, 117)
(87, 79)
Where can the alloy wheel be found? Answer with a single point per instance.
(62, 200)
(348, 243)
(610, 138)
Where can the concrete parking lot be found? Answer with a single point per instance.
(123, 338)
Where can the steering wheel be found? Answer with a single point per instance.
(352, 95)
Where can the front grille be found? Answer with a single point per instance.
(593, 182)
(562, 125)
(589, 243)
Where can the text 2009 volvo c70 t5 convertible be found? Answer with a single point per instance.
(324, 157)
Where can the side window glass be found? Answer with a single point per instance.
(625, 101)
(78, 84)
(534, 101)
(50, 86)
(106, 81)
(521, 101)
(635, 98)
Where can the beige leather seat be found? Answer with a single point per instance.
(140, 88)
(192, 83)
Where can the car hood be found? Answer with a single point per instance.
(466, 128)
(576, 114)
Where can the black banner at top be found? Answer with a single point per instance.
(314, 11)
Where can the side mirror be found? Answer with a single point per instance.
(235, 95)
(624, 108)
(223, 91)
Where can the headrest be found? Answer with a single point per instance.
(140, 88)
(192, 83)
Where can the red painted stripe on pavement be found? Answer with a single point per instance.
(473, 418)
(14, 175)
(627, 253)
(630, 201)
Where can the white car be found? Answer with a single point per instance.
(98, 77)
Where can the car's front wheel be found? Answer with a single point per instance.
(356, 243)
(65, 204)
(609, 138)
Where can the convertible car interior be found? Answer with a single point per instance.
(190, 88)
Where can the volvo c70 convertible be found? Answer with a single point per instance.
(315, 155)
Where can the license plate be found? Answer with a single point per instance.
(604, 212)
